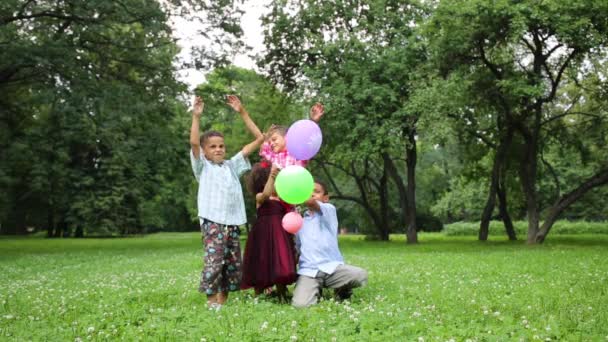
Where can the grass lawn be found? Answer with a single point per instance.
(445, 288)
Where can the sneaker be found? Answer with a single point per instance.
(343, 293)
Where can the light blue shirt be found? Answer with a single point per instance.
(317, 242)
(220, 197)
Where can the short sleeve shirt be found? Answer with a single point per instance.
(220, 197)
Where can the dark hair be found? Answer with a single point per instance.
(257, 178)
(209, 134)
(282, 130)
(323, 185)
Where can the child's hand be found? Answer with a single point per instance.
(235, 103)
(274, 171)
(316, 112)
(197, 109)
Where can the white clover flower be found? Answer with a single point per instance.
(90, 330)
(293, 338)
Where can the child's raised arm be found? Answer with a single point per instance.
(235, 103)
(268, 187)
(195, 140)
(316, 112)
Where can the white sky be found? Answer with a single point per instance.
(252, 27)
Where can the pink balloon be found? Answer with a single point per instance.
(292, 222)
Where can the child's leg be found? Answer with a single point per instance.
(231, 272)
(213, 299)
(306, 291)
(211, 276)
(222, 297)
(282, 293)
(345, 278)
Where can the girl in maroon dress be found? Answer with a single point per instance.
(270, 251)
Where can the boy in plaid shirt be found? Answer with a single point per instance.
(221, 209)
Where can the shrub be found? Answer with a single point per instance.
(521, 228)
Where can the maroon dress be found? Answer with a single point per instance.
(270, 252)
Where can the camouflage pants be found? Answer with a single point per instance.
(222, 269)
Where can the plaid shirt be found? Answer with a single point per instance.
(281, 159)
(220, 197)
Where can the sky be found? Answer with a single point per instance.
(252, 28)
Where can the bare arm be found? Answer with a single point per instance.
(269, 187)
(252, 146)
(195, 142)
(312, 205)
(235, 103)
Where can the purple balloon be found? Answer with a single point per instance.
(304, 139)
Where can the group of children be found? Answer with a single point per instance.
(271, 253)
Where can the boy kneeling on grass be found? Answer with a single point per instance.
(321, 264)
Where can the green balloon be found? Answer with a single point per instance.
(294, 184)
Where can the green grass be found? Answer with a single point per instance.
(445, 288)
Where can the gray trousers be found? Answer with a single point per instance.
(345, 277)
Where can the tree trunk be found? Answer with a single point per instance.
(486, 215)
(504, 212)
(527, 175)
(16, 223)
(401, 189)
(411, 156)
(79, 232)
(377, 218)
(499, 160)
(383, 195)
(361, 200)
(600, 178)
(60, 227)
(50, 223)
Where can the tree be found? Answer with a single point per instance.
(518, 55)
(87, 99)
(357, 57)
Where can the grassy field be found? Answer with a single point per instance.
(446, 288)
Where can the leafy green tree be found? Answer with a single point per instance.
(87, 99)
(357, 57)
(516, 57)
